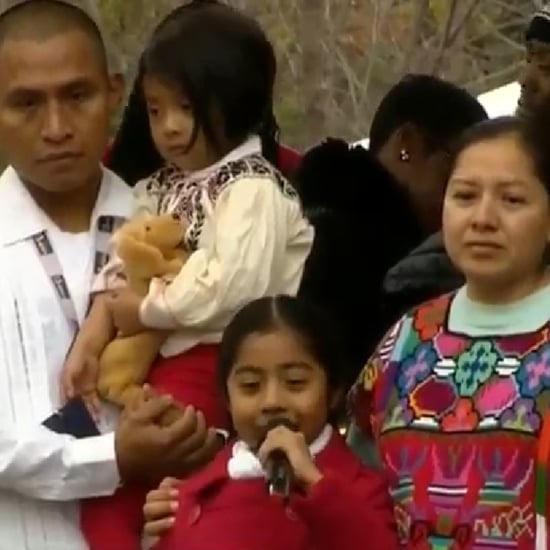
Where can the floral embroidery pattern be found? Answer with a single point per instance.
(475, 366)
(464, 418)
(370, 374)
(535, 376)
(400, 416)
(428, 318)
(416, 368)
(521, 417)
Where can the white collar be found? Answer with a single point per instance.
(244, 464)
(251, 146)
(20, 217)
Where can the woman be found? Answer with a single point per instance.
(371, 208)
(456, 396)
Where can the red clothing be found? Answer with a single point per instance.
(349, 509)
(289, 160)
(116, 522)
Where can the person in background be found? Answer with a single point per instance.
(281, 368)
(206, 84)
(456, 396)
(57, 207)
(534, 99)
(370, 208)
(427, 271)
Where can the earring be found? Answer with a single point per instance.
(404, 155)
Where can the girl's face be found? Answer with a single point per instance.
(172, 122)
(274, 375)
(496, 218)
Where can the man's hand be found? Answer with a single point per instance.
(79, 378)
(124, 307)
(147, 451)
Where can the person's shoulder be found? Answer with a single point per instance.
(253, 173)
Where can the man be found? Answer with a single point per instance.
(535, 79)
(57, 208)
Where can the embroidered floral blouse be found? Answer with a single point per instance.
(249, 239)
(455, 398)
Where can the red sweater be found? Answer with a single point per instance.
(349, 509)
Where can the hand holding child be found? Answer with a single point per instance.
(293, 444)
(160, 507)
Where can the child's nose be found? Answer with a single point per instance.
(273, 399)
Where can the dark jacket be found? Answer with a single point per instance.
(364, 225)
(425, 273)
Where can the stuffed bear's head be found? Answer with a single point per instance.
(164, 232)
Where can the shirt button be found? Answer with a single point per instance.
(290, 514)
(194, 514)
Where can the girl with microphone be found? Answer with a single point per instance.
(281, 367)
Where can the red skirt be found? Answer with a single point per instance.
(191, 379)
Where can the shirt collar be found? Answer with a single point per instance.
(251, 146)
(20, 217)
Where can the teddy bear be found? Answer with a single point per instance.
(148, 247)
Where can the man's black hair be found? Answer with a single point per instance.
(438, 109)
(43, 19)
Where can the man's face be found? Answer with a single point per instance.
(56, 102)
(535, 80)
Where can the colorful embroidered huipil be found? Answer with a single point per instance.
(456, 397)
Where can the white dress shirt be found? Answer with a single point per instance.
(42, 474)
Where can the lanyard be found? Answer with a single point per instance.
(106, 226)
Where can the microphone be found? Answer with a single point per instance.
(279, 471)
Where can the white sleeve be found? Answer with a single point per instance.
(248, 233)
(45, 465)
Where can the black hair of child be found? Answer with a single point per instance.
(223, 63)
(307, 321)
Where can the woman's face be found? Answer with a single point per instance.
(275, 376)
(496, 216)
(172, 122)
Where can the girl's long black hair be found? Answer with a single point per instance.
(222, 62)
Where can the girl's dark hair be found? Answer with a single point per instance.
(223, 63)
(532, 135)
(317, 331)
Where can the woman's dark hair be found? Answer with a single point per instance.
(317, 331)
(438, 109)
(225, 66)
(532, 135)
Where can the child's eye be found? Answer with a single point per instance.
(464, 195)
(296, 383)
(250, 386)
(513, 199)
